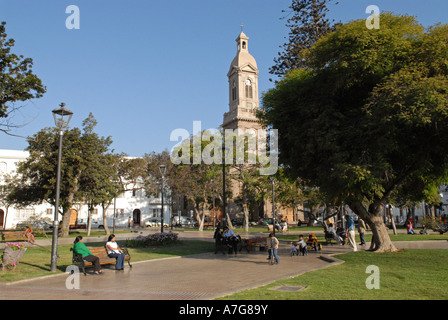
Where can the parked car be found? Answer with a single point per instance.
(237, 222)
(182, 221)
(155, 222)
(95, 224)
(34, 225)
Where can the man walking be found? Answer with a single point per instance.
(350, 232)
(273, 247)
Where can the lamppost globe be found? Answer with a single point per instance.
(62, 118)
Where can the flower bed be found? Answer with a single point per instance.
(156, 239)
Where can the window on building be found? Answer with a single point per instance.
(249, 90)
(233, 90)
(24, 213)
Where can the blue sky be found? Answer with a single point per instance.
(147, 67)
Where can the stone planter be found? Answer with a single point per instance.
(11, 257)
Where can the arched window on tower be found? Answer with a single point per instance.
(233, 91)
(249, 90)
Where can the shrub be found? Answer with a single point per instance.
(156, 239)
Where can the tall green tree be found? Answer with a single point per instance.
(307, 25)
(17, 81)
(38, 171)
(99, 183)
(368, 116)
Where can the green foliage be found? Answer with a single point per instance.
(369, 114)
(87, 169)
(307, 24)
(17, 81)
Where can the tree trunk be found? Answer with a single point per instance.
(392, 221)
(106, 227)
(64, 229)
(89, 219)
(373, 217)
(380, 240)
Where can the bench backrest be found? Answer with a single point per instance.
(98, 251)
(9, 235)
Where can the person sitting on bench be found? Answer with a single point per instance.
(114, 251)
(230, 239)
(80, 248)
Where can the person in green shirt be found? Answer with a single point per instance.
(80, 248)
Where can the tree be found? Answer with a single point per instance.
(308, 24)
(99, 183)
(17, 81)
(38, 171)
(368, 117)
(193, 179)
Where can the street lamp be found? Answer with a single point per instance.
(273, 206)
(223, 186)
(62, 118)
(162, 169)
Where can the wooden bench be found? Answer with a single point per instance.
(14, 235)
(78, 226)
(100, 252)
(257, 243)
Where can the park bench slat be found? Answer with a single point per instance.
(13, 235)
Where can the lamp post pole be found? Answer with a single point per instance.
(223, 186)
(162, 169)
(273, 206)
(54, 243)
(61, 122)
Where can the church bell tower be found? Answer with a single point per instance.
(243, 89)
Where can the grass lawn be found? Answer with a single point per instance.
(410, 274)
(36, 261)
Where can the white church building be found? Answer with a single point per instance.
(132, 203)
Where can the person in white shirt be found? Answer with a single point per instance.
(230, 239)
(114, 251)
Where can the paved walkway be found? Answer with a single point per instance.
(195, 277)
